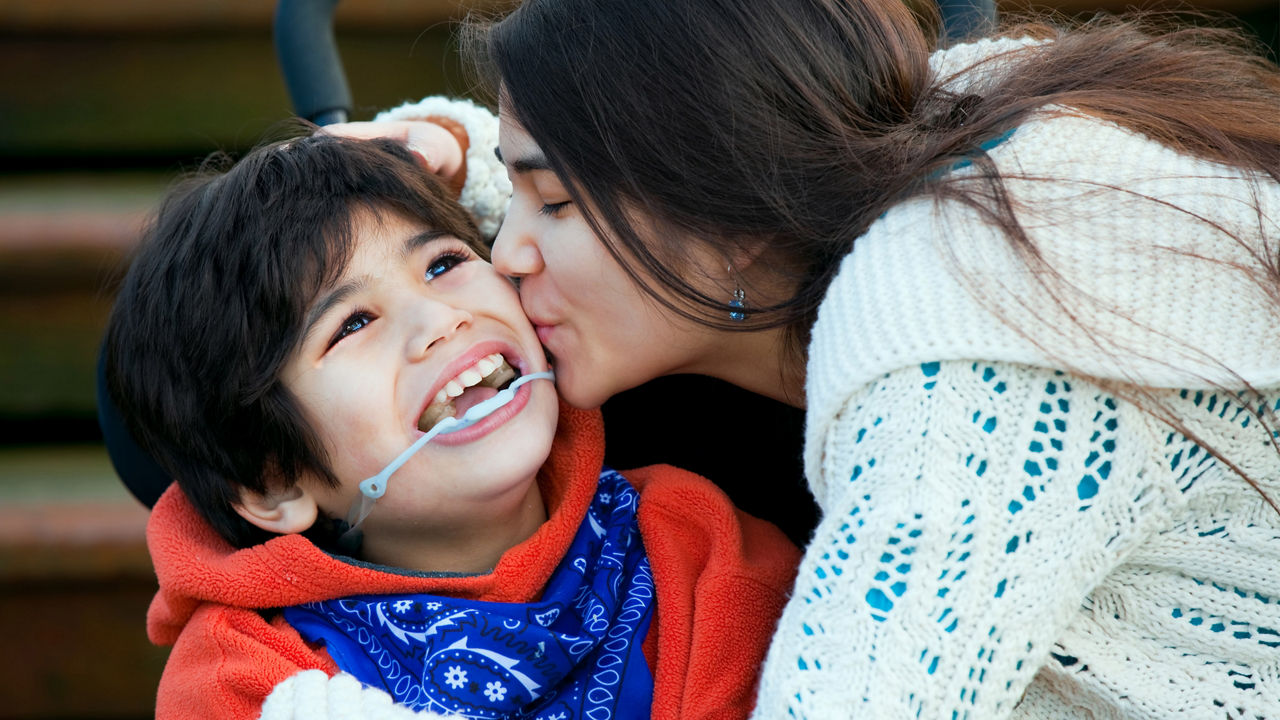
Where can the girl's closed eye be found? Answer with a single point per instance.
(553, 209)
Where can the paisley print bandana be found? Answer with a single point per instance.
(574, 654)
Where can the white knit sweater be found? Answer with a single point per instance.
(1004, 534)
(487, 191)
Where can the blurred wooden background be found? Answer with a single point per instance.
(101, 104)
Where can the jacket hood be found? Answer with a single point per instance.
(195, 566)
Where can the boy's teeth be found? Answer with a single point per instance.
(491, 371)
(500, 376)
(434, 414)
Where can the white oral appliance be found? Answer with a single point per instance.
(374, 487)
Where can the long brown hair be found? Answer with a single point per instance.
(789, 126)
(798, 123)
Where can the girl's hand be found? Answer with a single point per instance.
(440, 145)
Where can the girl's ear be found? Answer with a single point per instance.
(282, 511)
(745, 255)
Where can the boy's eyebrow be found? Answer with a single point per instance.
(418, 239)
(327, 303)
(529, 163)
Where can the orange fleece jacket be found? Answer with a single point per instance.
(722, 578)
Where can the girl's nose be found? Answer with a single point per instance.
(515, 249)
(434, 322)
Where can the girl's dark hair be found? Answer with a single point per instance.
(791, 125)
(213, 304)
(786, 127)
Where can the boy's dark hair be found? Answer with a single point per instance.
(213, 305)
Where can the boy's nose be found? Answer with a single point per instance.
(434, 323)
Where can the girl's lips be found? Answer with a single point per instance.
(544, 333)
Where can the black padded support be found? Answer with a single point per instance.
(140, 473)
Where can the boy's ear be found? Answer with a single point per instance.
(281, 510)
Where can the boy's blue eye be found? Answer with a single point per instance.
(443, 264)
(353, 324)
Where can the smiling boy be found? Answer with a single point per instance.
(380, 350)
(288, 329)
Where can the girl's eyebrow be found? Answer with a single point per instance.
(530, 163)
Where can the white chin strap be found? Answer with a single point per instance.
(376, 486)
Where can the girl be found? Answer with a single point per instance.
(1026, 290)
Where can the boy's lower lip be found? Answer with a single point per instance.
(494, 421)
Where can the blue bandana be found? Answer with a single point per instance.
(574, 654)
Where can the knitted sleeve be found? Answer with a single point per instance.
(488, 190)
(968, 510)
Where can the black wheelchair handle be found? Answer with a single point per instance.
(309, 60)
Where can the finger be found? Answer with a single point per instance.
(368, 130)
(438, 146)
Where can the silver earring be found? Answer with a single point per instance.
(738, 305)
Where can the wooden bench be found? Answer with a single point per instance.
(75, 582)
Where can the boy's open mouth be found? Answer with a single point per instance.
(473, 385)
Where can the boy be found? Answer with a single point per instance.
(288, 329)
